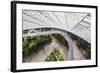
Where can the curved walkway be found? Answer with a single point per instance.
(72, 45)
(46, 50)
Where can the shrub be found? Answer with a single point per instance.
(55, 56)
(31, 44)
(61, 39)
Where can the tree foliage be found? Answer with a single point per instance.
(55, 56)
(62, 40)
(31, 44)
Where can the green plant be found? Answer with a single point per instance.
(31, 44)
(61, 39)
(55, 56)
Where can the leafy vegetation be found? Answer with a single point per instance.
(55, 56)
(84, 47)
(88, 53)
(61, 39)
(31, 44)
